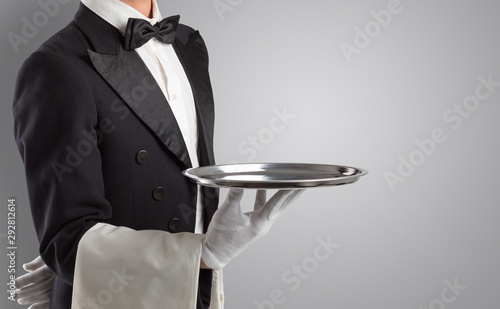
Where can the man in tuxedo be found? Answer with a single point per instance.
(108, 112)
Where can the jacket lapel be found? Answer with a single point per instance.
(130, 78)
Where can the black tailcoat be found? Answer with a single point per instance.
(100, 143)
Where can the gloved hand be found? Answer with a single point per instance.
(35, 287)
(231, 231)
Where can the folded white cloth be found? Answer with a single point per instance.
(120, 268)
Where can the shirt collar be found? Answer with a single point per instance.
(117, 13)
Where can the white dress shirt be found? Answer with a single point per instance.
(164, 65)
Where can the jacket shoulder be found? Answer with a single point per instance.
(66, 42)
(184, 33)
(55, 67)
(59, 54)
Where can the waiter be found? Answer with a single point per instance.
(108, 112)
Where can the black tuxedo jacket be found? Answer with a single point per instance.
(100, 143)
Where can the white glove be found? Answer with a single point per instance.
(35, 287)
(231, 231)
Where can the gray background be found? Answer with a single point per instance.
(397, 247)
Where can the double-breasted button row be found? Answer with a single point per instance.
(141, 158)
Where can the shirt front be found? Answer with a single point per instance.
(164, 65)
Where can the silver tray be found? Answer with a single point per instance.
(274, 175)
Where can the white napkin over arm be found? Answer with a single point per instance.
(120, 268)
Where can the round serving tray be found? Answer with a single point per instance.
(274, 175)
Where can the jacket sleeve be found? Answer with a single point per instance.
(53, 105)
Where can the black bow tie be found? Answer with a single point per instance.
(140, 31)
